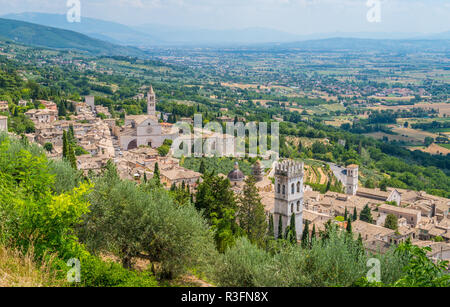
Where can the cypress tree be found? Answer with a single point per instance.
(71, 135)
(313, 234)
(349, 226)
(271, 233)
(280, 228)
(71, 157)
(305, 235)
(345, 214)
(65, 145)
(202, 167)
(157, 174)
(292, 231)
(366, 215)
(355, 214)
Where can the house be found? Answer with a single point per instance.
(177, 175)
(42, 115)
(3, 123)
(391, 195)
(49, 105)
(412, 216)
(4, 106)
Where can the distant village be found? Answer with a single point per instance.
(421, 218)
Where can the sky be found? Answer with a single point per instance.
(295, 16)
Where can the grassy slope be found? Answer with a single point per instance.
(17, 270)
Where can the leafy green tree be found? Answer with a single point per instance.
(421, 271)
(366, 214)
(202, 168)
(143, 222)
(48, 147)
(217, 201)
(250, 213)
(391, 222)
(383, 185)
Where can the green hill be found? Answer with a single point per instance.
(48, 37)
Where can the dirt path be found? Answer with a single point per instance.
(198, 282)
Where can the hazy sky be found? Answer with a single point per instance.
(295, 16)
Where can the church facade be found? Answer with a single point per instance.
(144, 130)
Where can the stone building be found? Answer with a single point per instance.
(288, 196)
(3, 123)
(351, 186)
(4, 106)
(144, 130)
(42, 115)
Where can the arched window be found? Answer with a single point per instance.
(278, 188)
(298, 187)
(298, 206)
(284, 189)
(292, 207)
(293, 189)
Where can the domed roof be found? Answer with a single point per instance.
(236, 174)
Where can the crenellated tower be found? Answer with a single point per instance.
(289, 195)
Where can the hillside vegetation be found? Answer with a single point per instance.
(42, 36)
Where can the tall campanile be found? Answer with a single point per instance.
(151, 102)
(288, 196)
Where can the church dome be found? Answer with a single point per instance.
(236, 175)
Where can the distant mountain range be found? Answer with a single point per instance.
(390, 45)
(49, 37)
(107, 38)
(152, 35)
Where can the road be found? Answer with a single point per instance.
(339, 171)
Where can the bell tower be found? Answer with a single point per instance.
(288, 195)
(351, 186)
(151, 102)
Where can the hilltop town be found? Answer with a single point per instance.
(420, 217)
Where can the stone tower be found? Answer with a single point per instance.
(288, 195)
(151, 102)
(351, 186)
(258, 171)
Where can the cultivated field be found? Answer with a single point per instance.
(443, 107)
(434, 149)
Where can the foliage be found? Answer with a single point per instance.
(143, 222)
(366, 214)
(421, 271)
(217, 202)
(251, 214)
(391, 222)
